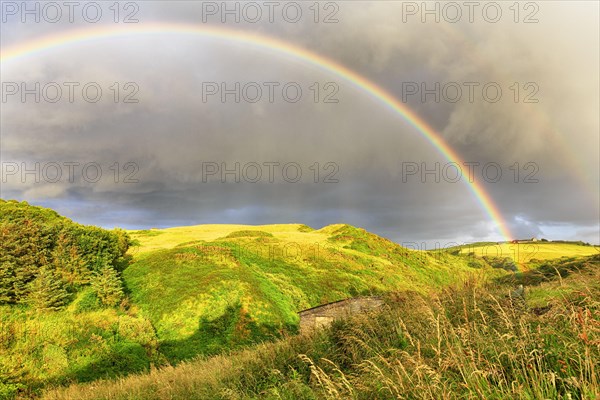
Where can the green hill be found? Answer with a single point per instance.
(81, 303)
(215, 287)
(472, 340)
(64, 316)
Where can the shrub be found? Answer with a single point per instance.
(35, 239)
(47, 291)
(107, 286)
(87, 301)
(248, 233)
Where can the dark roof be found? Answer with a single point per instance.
(340, 301)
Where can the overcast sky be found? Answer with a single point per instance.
(360, 162)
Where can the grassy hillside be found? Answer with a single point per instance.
(472, 340)
(74, 307)
(64, 316)
(216, 287)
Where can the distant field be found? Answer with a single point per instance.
(524, 252)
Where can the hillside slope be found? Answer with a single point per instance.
(215, 287)
(64, 316)
(472, 340)
(74, 307)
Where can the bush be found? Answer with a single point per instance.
(107, 286)
(248, 233)
(87, 301)
(9, 391)
(36, 239)
(505, 263)
(47, 291)
(475, 263)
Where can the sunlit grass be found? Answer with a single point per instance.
(205, 291)
(183, 275)
(525, 252)
(470, 340)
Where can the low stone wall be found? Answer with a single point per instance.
(324, 315)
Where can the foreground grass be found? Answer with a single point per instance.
(70, 346)
(473, 340)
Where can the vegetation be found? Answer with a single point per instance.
(46, 291)
(60, 286)
(525, 252)
(471, 340)
(248, 233)
(37, 244)
(210, 289)
(80, 303)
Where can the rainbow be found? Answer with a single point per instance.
(81, 35)
(571, 158)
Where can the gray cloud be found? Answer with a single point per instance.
(171, 133)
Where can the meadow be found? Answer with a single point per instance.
(210, 311)
(526, 252)
(245, 284)
(470, 340)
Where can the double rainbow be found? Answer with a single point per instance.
(285, 48)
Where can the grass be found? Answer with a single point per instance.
(525, 252)
(71, 346)
(551, 279)
(468, 340)
(172, 237)
(227, 296)
(183, 276)
(201, 291)
(54, 328)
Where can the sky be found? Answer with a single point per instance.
(192, 129)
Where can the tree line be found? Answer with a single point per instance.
(45, 259)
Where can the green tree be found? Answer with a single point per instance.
(32, 238)
(47, 291)
(22, 251)
(108, 286)
(69, 263)
(7, 280)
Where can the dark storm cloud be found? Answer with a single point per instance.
(172, 133)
